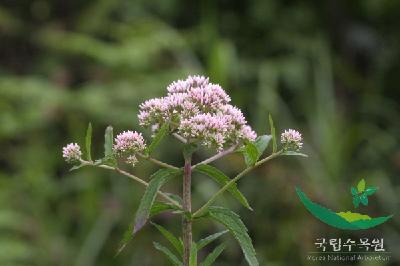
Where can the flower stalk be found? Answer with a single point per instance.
(187, 208)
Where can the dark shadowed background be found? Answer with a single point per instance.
(330, 69)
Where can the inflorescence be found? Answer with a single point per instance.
(195, 109)
(291, 140)
(199, 111)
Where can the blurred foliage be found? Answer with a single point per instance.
(328, 68)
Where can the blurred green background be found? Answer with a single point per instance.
(327, 68)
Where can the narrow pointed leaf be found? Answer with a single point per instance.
(370, 191)
(88, 142)
(250, 154)
(261, 143)
(158, 179)
(160, 207)
(205, 241)
(170, 256)
(108, 142)
(273, 134)
(222, 179)
(193, 255)
(170, 237)
(125, 239)
(157, 208)
(235, 225)
(161, 133)
(108, 146)
(294, 153)
(209, 260)
(361, 186)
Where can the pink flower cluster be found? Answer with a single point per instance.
(200, 111)
(292, 140)
(72, 152)
(129, 143)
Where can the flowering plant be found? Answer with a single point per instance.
(198, 113)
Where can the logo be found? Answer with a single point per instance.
(346, 220)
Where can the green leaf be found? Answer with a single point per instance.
(370, 191)
(161, 133)
(222, 179)
(127, 236)
(171, 257)
(250, 154)
(158, 179)
(293, 153)
(364, 199)
(356, 201)
(205, 241)
(88, 142)
(108, 146)
(233, 223)
(353, 191)
(209, 260)
(273, 134)
(361, 186)
(193, 255)
(159, 207)
(170, 237)
(261, 143)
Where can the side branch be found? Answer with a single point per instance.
(155, 161)
(217, 156)
(135, 178)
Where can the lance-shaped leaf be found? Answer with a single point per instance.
(233, 223)
(205, 241)
(108, 146)
(193, 255)
(251, 154)
(88, 142)
(160, 207)
(209, 260)
(261, 143)
(361, 186)
(170, 237)
(170, 256)
(222, 179)
(161, 133)
(157, 208)
(158, 179)
(294, 153)
(273, 134)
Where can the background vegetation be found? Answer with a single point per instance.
(328, 68)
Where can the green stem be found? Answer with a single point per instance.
(187, 208)
(201, 211)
